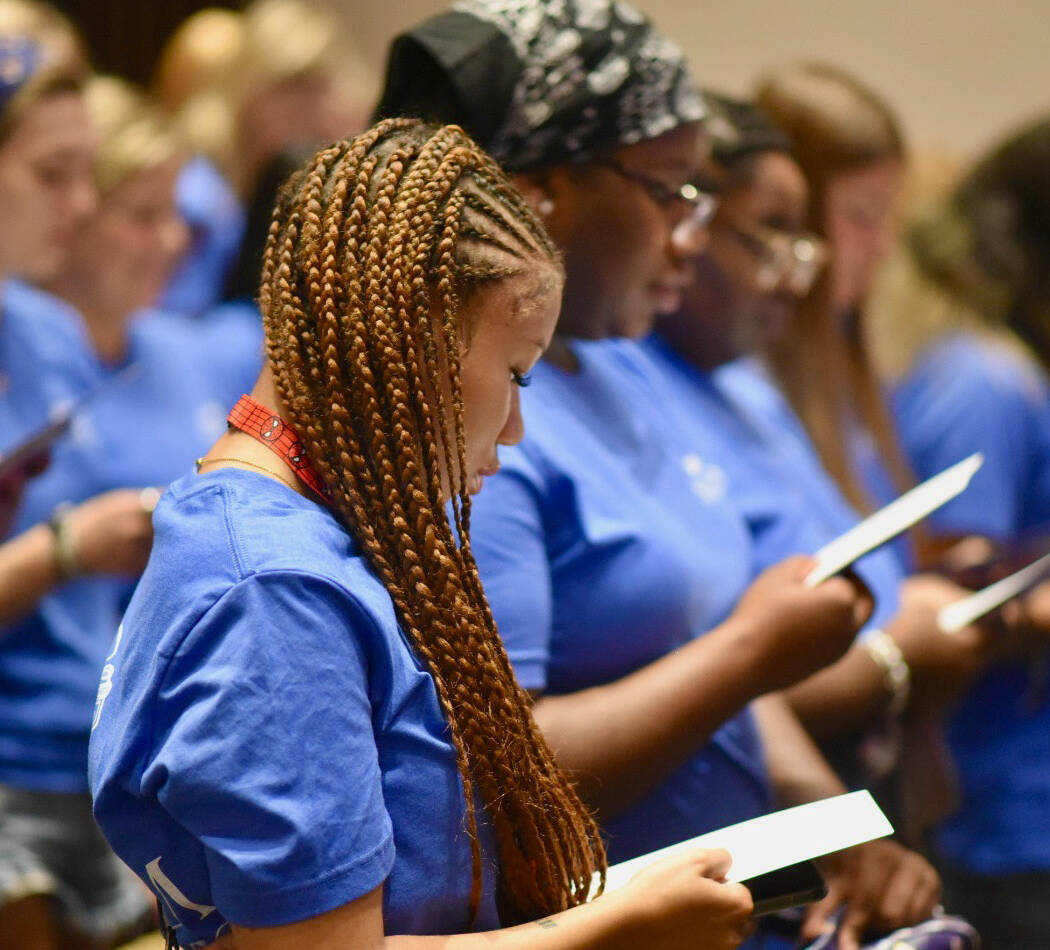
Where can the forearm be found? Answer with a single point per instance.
(603, 924)
(622, 739)
(28, 571)
(842, 699)
(609, 922)
(797, 770)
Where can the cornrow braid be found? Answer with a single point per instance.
(374, 249)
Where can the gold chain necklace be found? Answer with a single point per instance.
(255, 465)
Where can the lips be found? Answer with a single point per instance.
(669, 290)
(478, 478)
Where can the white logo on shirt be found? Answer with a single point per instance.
(708, 481)
(105, 684)
(170, 894)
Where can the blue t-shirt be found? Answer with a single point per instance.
(266, 745)
(787, 495)
(970, 394)
(602, 547)
(43, 367)
(216, 220)
(142, 429)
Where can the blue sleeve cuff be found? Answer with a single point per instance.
(256, 907)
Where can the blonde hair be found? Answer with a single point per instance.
(133, 134)
(284, 39)
(835, 124)
(201, 54)
(64, 65)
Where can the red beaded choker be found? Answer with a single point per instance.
(271, 430)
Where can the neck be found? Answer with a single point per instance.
(108, 330)
(689, 340)
(239, 450)
(561, 355)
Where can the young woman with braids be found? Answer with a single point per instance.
(616, 564)
(307, 733)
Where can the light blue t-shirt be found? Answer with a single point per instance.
(970, 394)
(216, 219)
(266, 745)
(602, 547)
(142, 428)
(792, 502)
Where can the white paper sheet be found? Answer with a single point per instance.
(778, 840)
(897, 516)
(954, 617)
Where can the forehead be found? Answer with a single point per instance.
(681, 149)
(874, 181)
(147, 184)
(526, 304)
(775, 185)
(57, 123)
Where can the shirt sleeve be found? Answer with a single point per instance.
(959, 402)
(509, 541)
(263, 749)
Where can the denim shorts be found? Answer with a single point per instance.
(50, 845)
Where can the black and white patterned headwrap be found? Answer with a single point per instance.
(542, 82)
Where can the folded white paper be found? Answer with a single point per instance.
(954, 617)
(897, 516)
(778, 840)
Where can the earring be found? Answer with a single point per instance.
(545, 206)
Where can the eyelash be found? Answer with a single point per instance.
(520, 379)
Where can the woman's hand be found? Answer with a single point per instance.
(792, 630)
(112, 532)
(679, 903)
(684, 902)
(942, 665)
(882, 885)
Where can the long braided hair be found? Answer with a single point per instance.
(373, 250)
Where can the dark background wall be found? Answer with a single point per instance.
(126, 36)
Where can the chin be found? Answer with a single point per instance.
(634, 326)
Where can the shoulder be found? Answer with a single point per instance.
(230, 528)
(43, 325)
(979, 365)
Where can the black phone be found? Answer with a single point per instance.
(786, 887)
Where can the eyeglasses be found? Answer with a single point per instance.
(786, 257)
(700, 200)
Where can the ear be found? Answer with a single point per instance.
(536, 189)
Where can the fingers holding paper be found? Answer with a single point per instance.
(684, 902)
(794, 629)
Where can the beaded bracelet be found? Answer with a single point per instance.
(66, 559)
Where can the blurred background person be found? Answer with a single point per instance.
(60, 886)
(849, 146)
(851, 150)
(962, 329)
(276, 76)
(163, 387)
(759, 262)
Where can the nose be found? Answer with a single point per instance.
(83, 198)
(689, 237)
(176, 236)
(514, 428)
